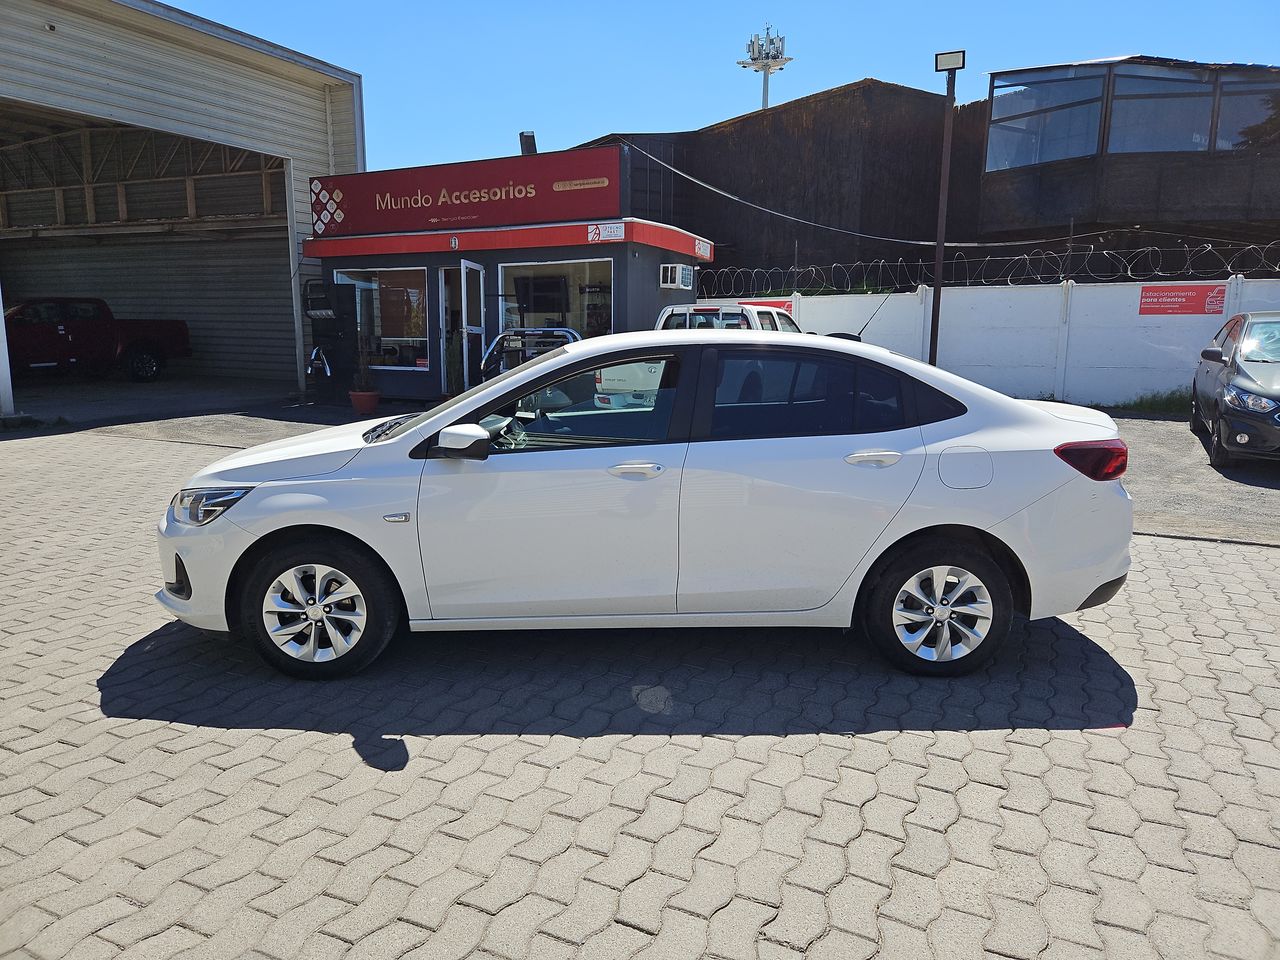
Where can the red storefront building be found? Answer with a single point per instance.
(435, 261)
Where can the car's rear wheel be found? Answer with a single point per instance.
(143, 364)
(939, 608)
(1218, 455)
(1197, 420)
(319, 609)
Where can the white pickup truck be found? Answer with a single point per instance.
(725, 316)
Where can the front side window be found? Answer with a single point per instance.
(786, 395)
(40, 312)
(766, 320)
(786, 323)
(619, 403)
(676, 320)
(1229, 341)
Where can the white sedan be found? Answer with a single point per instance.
(847, 487)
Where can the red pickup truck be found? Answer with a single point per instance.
(79, 333)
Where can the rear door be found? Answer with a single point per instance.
(799, 461)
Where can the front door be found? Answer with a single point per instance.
(576, 510)
(799, 463)
(38, 336)
(472, 321)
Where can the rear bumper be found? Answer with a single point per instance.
(1073, 543)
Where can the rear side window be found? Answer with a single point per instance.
(934, 406)
(760, 395)
(786, 323)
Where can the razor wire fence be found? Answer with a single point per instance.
(1086, 263)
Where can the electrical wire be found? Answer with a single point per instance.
(853, 233)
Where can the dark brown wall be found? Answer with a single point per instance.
(1123, 190)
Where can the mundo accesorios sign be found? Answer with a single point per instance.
(540, 188)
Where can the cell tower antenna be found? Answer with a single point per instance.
(765, 55)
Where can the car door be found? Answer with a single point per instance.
(37, 336)
(90, 340)
(1205, 381)
(789, 482)
(575, 511)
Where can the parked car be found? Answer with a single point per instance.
(725, 316)
(80, 333)
(873, 492)
(1235, 396)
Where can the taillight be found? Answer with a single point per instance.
(1096, 459)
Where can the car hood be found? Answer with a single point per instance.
(1265, 377)
(310, 455)
(1069, 411)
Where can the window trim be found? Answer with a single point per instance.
(678, 429)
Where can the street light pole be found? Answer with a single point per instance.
(950, 63)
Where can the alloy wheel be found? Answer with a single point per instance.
(314, 613)
(942, 613)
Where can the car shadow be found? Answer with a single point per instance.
(592, 683)
(1253, 472)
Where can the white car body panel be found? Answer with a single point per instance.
(756, 531)
(551, 533)
(551, 539)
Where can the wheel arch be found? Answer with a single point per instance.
(1001, 552)
(268, 541)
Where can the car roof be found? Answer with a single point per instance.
(1263, 315)
(736, 338)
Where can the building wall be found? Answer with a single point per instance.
(231, 294)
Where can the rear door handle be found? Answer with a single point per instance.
(873, 458)
(636, 471)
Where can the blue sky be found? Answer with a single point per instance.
(458, 81)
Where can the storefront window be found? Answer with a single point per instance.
(576, 294)
(391, 314)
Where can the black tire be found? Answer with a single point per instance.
(1197, 421)
(1219, 458)
(383, 606)
(143, 364)
(876, 613)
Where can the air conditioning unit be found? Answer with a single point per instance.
(675, 276)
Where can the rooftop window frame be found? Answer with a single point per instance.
(1224, 82)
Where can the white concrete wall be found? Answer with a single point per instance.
(1083, 343)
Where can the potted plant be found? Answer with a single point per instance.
(364, 398)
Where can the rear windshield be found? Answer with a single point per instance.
(719, 320)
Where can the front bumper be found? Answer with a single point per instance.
(1263, 430)
(196, 565)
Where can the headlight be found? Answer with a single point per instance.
(200, 505)
(1251, 402)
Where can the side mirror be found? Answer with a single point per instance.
(1212, 354)
(462, 441)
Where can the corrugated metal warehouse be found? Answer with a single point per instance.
(161, 162)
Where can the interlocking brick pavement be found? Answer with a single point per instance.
(1111, 786)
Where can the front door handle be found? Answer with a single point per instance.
(636, 471)
(873, 458)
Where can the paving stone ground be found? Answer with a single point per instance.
(1111, 786)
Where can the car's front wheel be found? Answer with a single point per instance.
(1219, 457)
(939, 608)
(1197, 419)
(319, 609)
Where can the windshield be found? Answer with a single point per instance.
(1261, 343)
(402, 425)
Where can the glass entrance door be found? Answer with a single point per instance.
(473, 320)
(461, 325)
